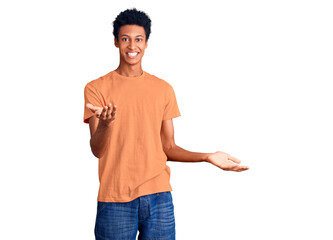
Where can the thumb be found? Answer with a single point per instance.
(236, 160)
(91, 107)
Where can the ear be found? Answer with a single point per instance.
(116, 43)
(146, 43)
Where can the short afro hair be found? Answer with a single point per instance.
(132, 17)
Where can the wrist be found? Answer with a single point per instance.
(206, 157)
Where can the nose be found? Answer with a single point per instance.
(131, 45)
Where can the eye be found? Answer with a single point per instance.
(139, 39)
(124, 39)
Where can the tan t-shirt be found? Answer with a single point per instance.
(134, 163)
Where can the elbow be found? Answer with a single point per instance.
(167, 148)
(95, 154)
(95, 151)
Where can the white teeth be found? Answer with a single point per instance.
(132, 54)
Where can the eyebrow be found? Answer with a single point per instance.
(128, 36)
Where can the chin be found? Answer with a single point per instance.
(137, 61)
(132, 62)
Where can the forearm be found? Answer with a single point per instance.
(100, 139)
(179, 154)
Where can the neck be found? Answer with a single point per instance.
(129, 70)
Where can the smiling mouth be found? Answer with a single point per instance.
(132, 54)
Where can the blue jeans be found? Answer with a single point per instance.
(152, 215)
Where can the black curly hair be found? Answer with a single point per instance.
(132, 17)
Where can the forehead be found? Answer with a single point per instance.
(132, 30)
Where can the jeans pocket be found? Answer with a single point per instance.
(165, 195)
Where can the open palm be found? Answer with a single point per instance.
(105, 114)
(226, 162)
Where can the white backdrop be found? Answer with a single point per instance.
(252, 78)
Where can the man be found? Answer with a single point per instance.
(130, 113)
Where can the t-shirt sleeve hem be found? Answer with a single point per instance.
(86, 118)
(172, 116)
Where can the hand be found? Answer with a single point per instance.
(106, 114)
(226, 162)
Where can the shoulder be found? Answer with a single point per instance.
(98, 83)
(163, 83)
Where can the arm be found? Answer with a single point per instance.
(100, 126)
(176, 153)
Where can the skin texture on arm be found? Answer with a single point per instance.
(100, 126)
(176, 153)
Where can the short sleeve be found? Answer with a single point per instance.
(171, 108)
(92, 96)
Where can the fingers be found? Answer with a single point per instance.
(230, 166)
(114, 110)
(241, 168)
(104, 112)
(236, 160)
(237, 168)
(107, 113)
(109, 110)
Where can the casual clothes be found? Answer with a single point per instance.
(134, 163)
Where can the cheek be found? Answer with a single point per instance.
(143, 48)
(123, 50)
